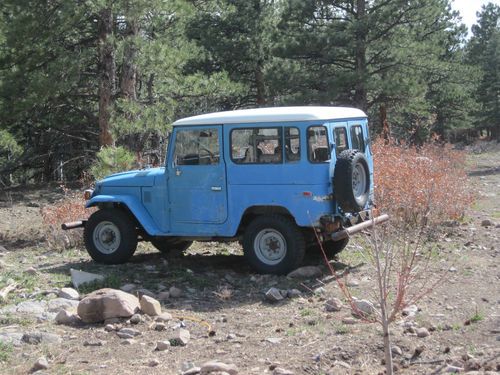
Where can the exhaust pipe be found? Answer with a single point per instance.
(347, 232)
(73, 225)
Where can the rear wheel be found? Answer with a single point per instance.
(110, 236)
(273, 244)
(332, 248)
(171, 245)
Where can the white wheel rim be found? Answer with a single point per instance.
(270, 246)
(107, 237)
(359, 182)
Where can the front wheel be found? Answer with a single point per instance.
(110, 236)
(273, 244)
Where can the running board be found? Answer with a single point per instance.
(347, 232)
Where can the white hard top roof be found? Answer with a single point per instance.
(274, 114)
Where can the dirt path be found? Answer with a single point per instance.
(462, 314)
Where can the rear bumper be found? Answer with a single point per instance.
(347, 232)
(73, 224)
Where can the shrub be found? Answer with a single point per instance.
(111, 160)
(421, 185)
(70, 208)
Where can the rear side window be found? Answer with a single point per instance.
(340, 140)
(318, 149)
(292, 144)
(197, 147)
(257, 146)
(358, 142)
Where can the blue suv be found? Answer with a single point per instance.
(278, 180)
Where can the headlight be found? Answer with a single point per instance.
(87, 194)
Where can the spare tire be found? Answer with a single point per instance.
(351, 181)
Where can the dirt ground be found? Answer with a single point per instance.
(297, 334)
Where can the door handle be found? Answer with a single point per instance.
(216, 188)
(178, 172)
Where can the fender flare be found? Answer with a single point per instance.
(136, 208)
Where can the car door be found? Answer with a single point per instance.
(197, 178)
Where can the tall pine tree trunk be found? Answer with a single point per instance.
(259, 81)
(360, 94)
(107, 73)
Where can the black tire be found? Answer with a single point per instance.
(331, 248)
(120, 242)
(277, 231)
(171, 245)
(351, 181)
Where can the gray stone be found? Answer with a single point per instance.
(364, 307)
(158, 326)
(180, 338)
(66, 317)
(94, 343)
(306, 272)
(129, 342)
(396, 350)
(162, 345)
(144, 292)
(487, 223)
(107, 303)
(128, 288)
(333, 305)
(215, 366)
(128, 333)
(410, 311)
(41, 338)
(274, 295)
(274, 340)
(453, 369)
(57, 304)
(351, 283)
(31, 307)
(79, 278)
(422, 332)
(349, 320)
(282, 371)
(40, 364)
(293, 293)
(150, 306)
(31, 271)
(162, 296)
(109, 328)
(153, 363)
(13, 338)
(69, 293)
(175, 292)
(163, 317)
(136, 319)
(192, 371)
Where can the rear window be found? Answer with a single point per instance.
(358, 142)
(340, 140)
(318, 149)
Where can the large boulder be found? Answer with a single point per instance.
(107, 303)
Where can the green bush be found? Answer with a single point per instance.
(112, 160)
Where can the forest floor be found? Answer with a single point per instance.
(461, 314)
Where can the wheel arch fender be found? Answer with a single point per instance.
(135, 208)
(252, 212)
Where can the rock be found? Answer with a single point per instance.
(150, 306)
(452, 269)
(472, 365)
(274, 340)
(40, 364)
(162, 345)
(192, 371)
(351, 283)
(306, 272)
(57, 304)
(153, 363)
(410, 311)
(396, 350)
(158, 326)
(31, 271)
(128, 288)
(180, 338)
(162, 296)
(128, 333)
(319, 291)
(109, 328)
(66, 317)
(94, 343)
(163, 317)
(364, 307)
(41, 338)
(293, 293)
(274, 295)
(282, 371)
(349, 320)
(422, 332)
(453, 369)
(129, 342)
(175, 292)
(80, 277)
(215, 366)
(487, 223)
(333, 305)
(69, 293)
(145, 292)
(31, 307)
(2, 249)
(107, 303)
(136, 319)
(13, 338)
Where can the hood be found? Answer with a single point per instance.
(143, 177)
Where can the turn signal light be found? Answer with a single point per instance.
(87, 194)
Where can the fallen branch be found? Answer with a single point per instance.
(6, 290)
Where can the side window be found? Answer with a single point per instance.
(358, 142)
(318, 149)
(340, 140)
(197, 147)
(292, 144)
(256, 146)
